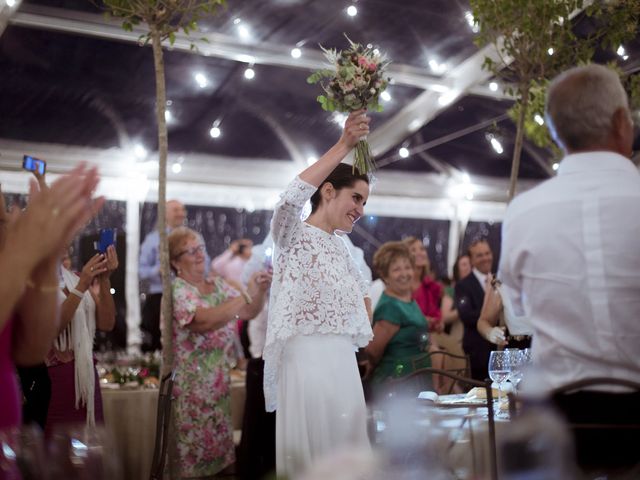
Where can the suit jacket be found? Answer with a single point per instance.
(469, 298)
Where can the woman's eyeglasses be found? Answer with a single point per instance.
(192, 251)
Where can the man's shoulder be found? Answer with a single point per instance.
(151, 236)
(468, 282)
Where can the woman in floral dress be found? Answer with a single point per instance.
(204, 313)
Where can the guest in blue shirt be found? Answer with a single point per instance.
(149, 270)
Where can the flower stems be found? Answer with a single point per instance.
(363, 158)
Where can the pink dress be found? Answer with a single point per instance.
(428, 296)
(10, 413)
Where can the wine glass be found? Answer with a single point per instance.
(76, 451)
(499, 371)
(526, 357)
(517, 362)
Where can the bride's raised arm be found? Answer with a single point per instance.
(356, 127)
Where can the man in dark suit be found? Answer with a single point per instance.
(469, 298)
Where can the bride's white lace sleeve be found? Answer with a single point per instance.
(356, 273)
(286, 215)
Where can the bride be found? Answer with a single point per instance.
(319, 311)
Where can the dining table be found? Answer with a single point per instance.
(454, 430)
(130, 413)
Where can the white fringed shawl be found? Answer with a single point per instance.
(78, 336)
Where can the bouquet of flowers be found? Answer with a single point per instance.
(355, 81)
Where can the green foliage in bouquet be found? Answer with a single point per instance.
(356, 81)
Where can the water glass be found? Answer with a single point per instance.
(517, 362)
(499, 370)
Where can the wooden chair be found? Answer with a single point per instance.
(396, 384)
(163, 420)
(456, 364)
(606, 428)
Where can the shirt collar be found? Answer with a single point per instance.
(482, 278)
(595, 161)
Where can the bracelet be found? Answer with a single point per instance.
(76, 292)
(42, 288)
(247, 297)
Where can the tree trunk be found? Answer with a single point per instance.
(517, 149)
(163, 147)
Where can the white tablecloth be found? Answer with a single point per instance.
(130, 417)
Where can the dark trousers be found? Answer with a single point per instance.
(606, 449)
(244, 338)
(150, 325)
(257, 450)
(36, 390)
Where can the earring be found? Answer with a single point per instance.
(179, 271)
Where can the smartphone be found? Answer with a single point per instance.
(268, 259)
(33, 164)
(107, 237)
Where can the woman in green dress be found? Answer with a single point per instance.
(400, 329)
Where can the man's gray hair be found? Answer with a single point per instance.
(580, 106)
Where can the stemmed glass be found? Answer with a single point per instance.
(518, 363)
(499, 371)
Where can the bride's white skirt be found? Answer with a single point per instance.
(321, 406)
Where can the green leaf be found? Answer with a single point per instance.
(172, 38)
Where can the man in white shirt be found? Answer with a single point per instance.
(257, 449)
(570, 253)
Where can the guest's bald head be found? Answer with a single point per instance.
(176, 214)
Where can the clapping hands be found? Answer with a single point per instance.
(259, 282)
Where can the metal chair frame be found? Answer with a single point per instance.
(473, 383)
(163, 421)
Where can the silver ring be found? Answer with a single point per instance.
(91, 269)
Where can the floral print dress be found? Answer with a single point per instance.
(202, 408)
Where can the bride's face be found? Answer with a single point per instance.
(346, 206)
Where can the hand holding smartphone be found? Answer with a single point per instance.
(108, 237)
(33, 164)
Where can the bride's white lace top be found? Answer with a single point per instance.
(316, 288)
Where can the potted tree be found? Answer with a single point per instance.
(536, 40)
(163, 20)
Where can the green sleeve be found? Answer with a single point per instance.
(389, 311)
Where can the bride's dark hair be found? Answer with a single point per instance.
(342, 176)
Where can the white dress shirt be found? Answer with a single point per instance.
(260, 260)
(517, 324)
(571, 262)
(481, 277)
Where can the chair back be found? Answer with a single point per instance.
(163, 421)
(459, 365)
(605, 422)
(468, 383)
